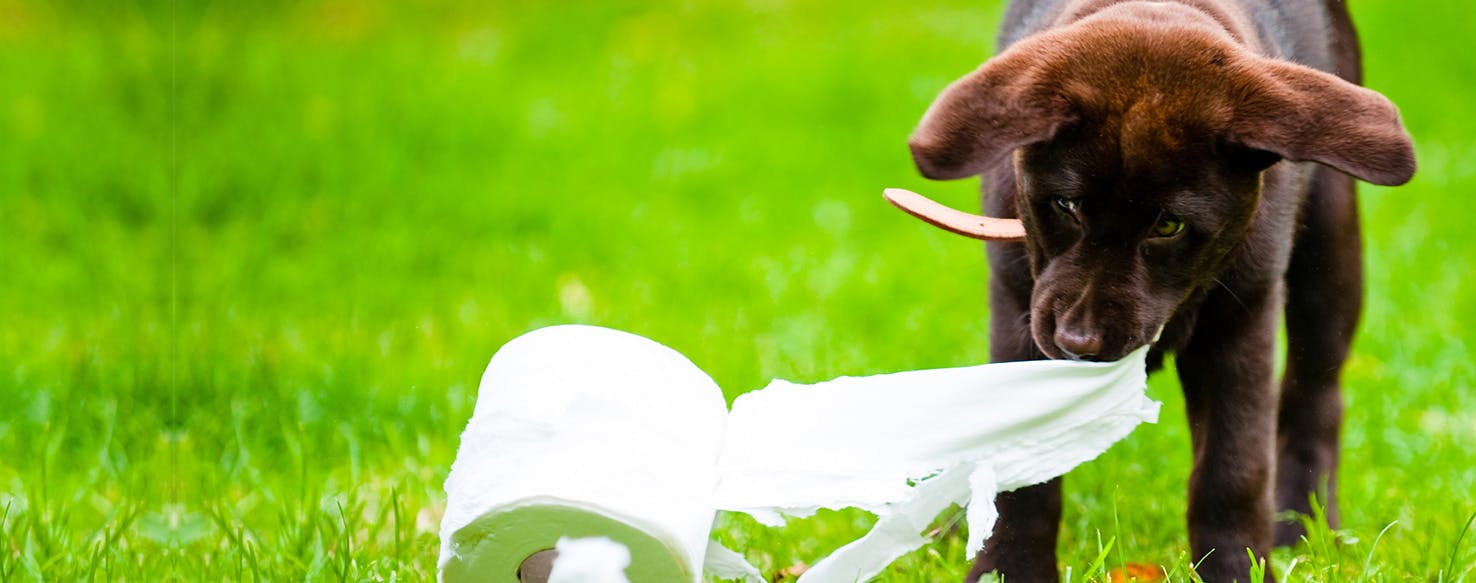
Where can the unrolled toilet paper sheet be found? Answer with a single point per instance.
(967, 433)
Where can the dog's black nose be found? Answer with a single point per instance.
(1078, 345)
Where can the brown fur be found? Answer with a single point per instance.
(1137, 111)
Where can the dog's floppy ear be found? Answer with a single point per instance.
(1302, 114)
(1005, 104)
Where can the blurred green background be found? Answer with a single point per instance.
(255, 256)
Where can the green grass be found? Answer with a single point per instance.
(256, 255)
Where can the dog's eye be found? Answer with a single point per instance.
(1070, 205)
(1167, 226)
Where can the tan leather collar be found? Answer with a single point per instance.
(955, 221)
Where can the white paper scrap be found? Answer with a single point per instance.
(589, 560)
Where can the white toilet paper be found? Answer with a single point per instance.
(619, 425)
(861, 441)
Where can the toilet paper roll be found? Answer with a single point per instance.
(581, 432)
(587, 432)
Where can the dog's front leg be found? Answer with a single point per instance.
(1227, 370)
(1023, 546)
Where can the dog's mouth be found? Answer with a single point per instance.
(1091, 344)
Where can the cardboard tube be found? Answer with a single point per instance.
(537, 566)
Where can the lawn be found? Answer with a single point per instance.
(256, 256)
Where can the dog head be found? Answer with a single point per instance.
(1138, 150)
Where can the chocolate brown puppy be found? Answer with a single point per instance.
(1185, 166)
